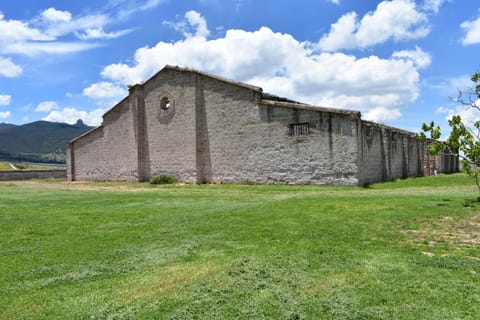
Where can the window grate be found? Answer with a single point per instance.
(370, 131)
(299, 129)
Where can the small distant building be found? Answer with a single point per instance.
(203, 128)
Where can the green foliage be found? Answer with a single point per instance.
(463, 141)
(163, 179)
(402, 250)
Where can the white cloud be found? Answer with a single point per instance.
(197, 22)
(469, 115)
(48, 32)
(46, 106)
(14, 30)
(284, 66)
(5, 114)
(56, 29)
(5, 99)
(382, 114)
(334, 1)
(421, 58)
(54, 15)
(442, 110)
(9, 69)
(451, 85)
(433, 5)
(342, 34)
(397, 20)
(99, 33)
(71, 115)
(194, 25)
(240, 54)
(472, 29)
(105, 90)
(126, 8)
(51, 47)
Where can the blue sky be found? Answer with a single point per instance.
(396, 61)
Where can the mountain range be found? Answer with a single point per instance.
(39, 141)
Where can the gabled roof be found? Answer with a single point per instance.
(189, 70)
(266, 98)
(384, 126)
(304, 106)
(209, 75)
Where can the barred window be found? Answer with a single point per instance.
(394, 136)
(299, 129)
(370, 131)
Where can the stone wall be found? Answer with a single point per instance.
(107, 152)
(442, 163)
(171, 131)
(214, 131)
(32, 174)
(258, 146)
(202, 128)
(389, 153)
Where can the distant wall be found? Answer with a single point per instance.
(442, 163)
(388, 153)
(32, 174)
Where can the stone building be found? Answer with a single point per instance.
(203, 128)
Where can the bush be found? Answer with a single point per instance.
(163, 179)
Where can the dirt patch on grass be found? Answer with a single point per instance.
(456, 233)
(79, 185)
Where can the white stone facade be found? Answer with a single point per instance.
(202, 128)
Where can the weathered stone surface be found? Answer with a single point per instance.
(203, 128)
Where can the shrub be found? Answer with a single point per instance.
(163, 179)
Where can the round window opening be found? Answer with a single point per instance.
(165, 103)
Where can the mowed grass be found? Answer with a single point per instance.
(400, 250)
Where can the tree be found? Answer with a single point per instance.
(464, 140)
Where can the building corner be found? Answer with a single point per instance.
(70, 162)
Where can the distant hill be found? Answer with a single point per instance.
(39, 141)
(6, 125)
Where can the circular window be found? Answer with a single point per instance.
(165, 103)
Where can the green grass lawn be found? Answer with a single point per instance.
(24, 166)
(400, 250)
(5, 166)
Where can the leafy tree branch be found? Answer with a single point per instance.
(463, 141)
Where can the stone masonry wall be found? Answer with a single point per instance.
(248, 140)
(171, 132)
(388, 153)
(201, 128)
(214, 131)
(442, 163)
(107, 152)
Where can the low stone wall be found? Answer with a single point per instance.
(32, 174)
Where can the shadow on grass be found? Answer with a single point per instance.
(472, 203)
